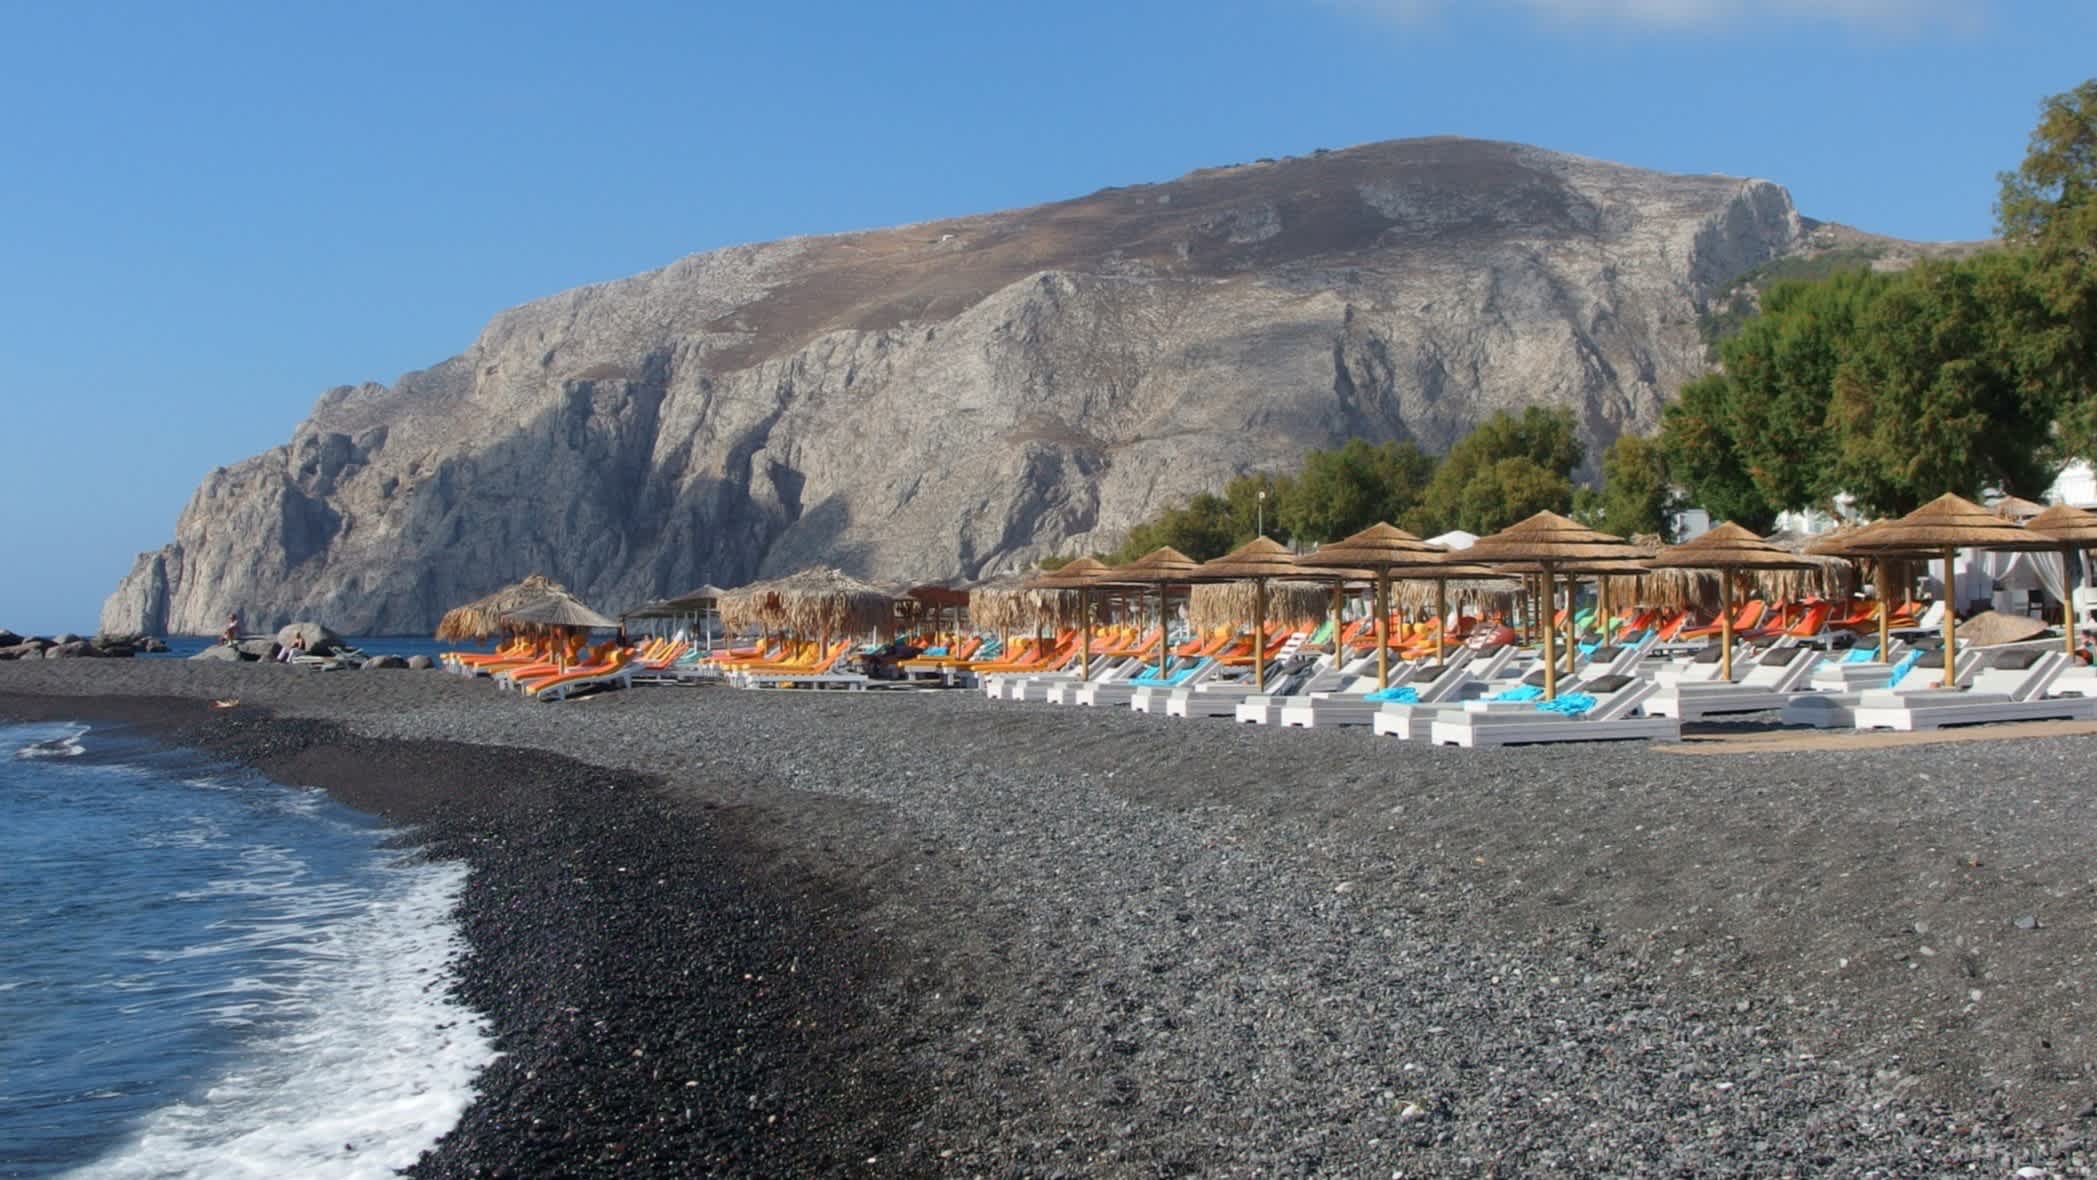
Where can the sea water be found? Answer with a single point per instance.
(205, 973)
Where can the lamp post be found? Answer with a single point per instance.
(1259, 512)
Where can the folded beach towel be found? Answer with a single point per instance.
(1404, 694)
(1520, 692)
(1571, 704)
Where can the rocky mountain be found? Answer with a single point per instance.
(957, 398)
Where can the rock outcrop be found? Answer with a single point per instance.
(957, 398)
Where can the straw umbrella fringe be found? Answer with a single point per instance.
(482, 617)
(1221, 604)
(819, 601)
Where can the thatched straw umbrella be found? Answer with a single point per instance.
(1551, 542)
(559, 610)
(1256, 561)
(819, 602)
(1826, 575)
(1162, 568)
(482, 617)
(2068, 528)
(1081, 575)
(1379, 549)
(1727, 549)
(1887, 568)
(930, 598)
(1008, 602)
(1947, 524)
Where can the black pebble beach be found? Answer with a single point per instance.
(722, 932)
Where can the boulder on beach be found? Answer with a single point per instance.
(421, 663)
(223, 652)
(73, 649)
(65, 637)
(319, 640)
(152, 643)
(8, 638)
(385, 662)
(258, 649)
(21, 651)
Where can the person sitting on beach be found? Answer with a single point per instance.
(294, 649)
(232, 632)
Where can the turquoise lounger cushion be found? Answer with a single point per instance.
(935, 651)
(1520, 692)
(1404, 694)
(1906, 662)
(1860, 655)
(1571, 704)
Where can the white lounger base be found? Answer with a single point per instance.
(1310, 714)
(1692, 706)
(1936, 714)
(1472, 730)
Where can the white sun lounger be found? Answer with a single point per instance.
(1616, 716)
(1770, 684)
(2012, 687)
(1837, 710)
(1466, 672)
(1265, 708)
(1840, 672)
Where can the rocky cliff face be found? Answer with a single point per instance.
(960, 397)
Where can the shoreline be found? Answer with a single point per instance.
(659, 996)
(1098, 943)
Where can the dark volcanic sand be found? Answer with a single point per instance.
(1033, 940)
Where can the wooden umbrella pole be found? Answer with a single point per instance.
(1885, 615)
(1338, 599)
(1383, 627)
(1951, 620)
(1725, 625)
(1550, 651)
(1084, 633)
(1162, 645)
(1602, 608)
(1259, 635)
(1441, 627)
(2067, 606)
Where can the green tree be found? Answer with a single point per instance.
(1636, 492)
(1475, 488)
(2048, 208)
(1347, 489)
(1701, 455)
(1201, 528)
(1932, 396)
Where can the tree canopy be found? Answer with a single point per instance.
(1895, 388)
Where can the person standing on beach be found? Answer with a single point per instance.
(232, 632)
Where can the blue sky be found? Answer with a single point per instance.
(212, 212)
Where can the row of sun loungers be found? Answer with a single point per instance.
(1637, 689)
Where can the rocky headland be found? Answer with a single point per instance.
(957, 398)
